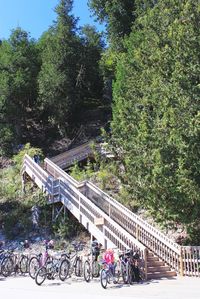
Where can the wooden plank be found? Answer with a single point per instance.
(99, 221)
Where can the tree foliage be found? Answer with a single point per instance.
(90, 79)
(18, 84)
(156, 118)
(57, 78)
(118, 16)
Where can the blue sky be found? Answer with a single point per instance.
(35, 16)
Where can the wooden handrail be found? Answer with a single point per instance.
(138, 220)
(121, 226)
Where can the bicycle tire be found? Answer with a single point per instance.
(7, 266)
(95, 269)
(116, 277)
(87, 271)
(125, 272)
(78, 267)
(104, 278)
(64, 270)
(34, 265)
(41, 275)
(24, 264)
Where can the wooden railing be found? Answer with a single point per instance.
(64, 188)
(43, 180)
(190, 256)
(68, 158)
(149, 236)
(152, 238)
(122, 227)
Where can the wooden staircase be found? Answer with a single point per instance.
(108, 220)
(157, 269)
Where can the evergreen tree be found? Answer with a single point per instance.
(57, 79)
(156, 117)
(90, 80)
(18, 83)
(118, 17)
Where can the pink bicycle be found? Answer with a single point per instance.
(39, 260)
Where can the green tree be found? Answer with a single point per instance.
(156, 117)
(18, 83)
(90, 80)
(118, 17)
(57, 79)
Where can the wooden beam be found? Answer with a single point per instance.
(99, 221)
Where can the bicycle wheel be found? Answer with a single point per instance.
(117, 276)
(78, 267)
(23, 264)
(41, 275)
(64, 270)
(7, 266)
(104, 278)
(34, 265)
(125, 269)
(87, 271)
(95, 269)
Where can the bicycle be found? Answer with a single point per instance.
(130, 267)
(38, 261)
(109, 274)
(91, 266)
(53, 268)
(13, 262)
(72, 261)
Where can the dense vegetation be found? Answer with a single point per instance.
(48, 81)
(156, 117)
(150, 67)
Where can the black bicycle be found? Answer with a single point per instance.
(91, 267)
(75, 264)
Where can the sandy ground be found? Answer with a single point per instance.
(25, 287)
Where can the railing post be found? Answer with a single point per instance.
(137, 232)
(59, 193)
(52, 188)
(145, 262)
(181, 262)
(23, 183)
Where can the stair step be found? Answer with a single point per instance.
(161, 274)
(152, 258)
(155, 263)
(158, 269)
(150, 254)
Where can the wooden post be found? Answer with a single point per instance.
(181, 262)
(137, 232)
(23, 183)
(109, 210)
(53, 212)
(59, 195)
(145, 262)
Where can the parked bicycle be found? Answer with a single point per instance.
(91, 266)
(40, 259)
(110, 269)
(14, 261)
(73, 261)
(52, 269)
(130, 266)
